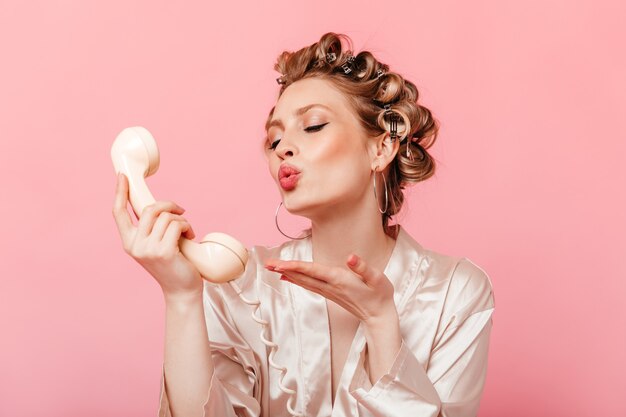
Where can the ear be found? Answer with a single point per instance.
(383, 150)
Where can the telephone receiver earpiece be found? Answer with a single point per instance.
(218, 257)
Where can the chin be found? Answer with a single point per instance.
(306, 207)
(295, 205)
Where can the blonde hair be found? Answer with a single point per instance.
(367, 87)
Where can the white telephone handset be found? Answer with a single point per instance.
(218, 257)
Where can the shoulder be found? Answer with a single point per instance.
(461, 277)
(469, 291)
(452, 282)
(470, 280)
(460, 286)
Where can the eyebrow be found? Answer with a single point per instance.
(298, 112)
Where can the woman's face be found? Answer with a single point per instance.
(314, 130)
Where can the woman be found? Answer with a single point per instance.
(367, 321)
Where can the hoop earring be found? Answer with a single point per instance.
(376, 195)
(278, 227)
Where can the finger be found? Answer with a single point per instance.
(305, 280)
(163, 221)
(120, 211)
(323, 292)
(368, 274)
(173, 233)
(311, 288)
(150, 214)
(314, 270)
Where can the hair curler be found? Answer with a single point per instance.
(218, 257)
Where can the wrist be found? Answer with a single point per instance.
(182, 300)
(387, 319)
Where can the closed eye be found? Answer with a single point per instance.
(315, 128)
(309, 129)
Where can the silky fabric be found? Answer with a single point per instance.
(445, 306)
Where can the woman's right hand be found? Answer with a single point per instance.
(153, 243)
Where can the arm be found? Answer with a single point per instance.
(211, 360)
(451, 387)
(451, 383)
(193, 368)
(188, 366)
(383, 341)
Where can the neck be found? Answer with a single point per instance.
(339, 234)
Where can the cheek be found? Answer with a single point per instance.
(340, 166)
(334, 150)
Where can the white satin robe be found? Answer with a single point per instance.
(445, 306)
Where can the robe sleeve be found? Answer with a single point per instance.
(451, 384)
(235, 386)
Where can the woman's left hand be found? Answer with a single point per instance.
(362, 290)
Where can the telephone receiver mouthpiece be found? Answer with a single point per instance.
(218, 257)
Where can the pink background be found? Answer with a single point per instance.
(530, 183)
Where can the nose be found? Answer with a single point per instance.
(284, 148)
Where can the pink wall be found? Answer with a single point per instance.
(530, 183)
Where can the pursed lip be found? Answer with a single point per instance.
(286, 169)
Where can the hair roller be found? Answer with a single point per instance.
(392, 112)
